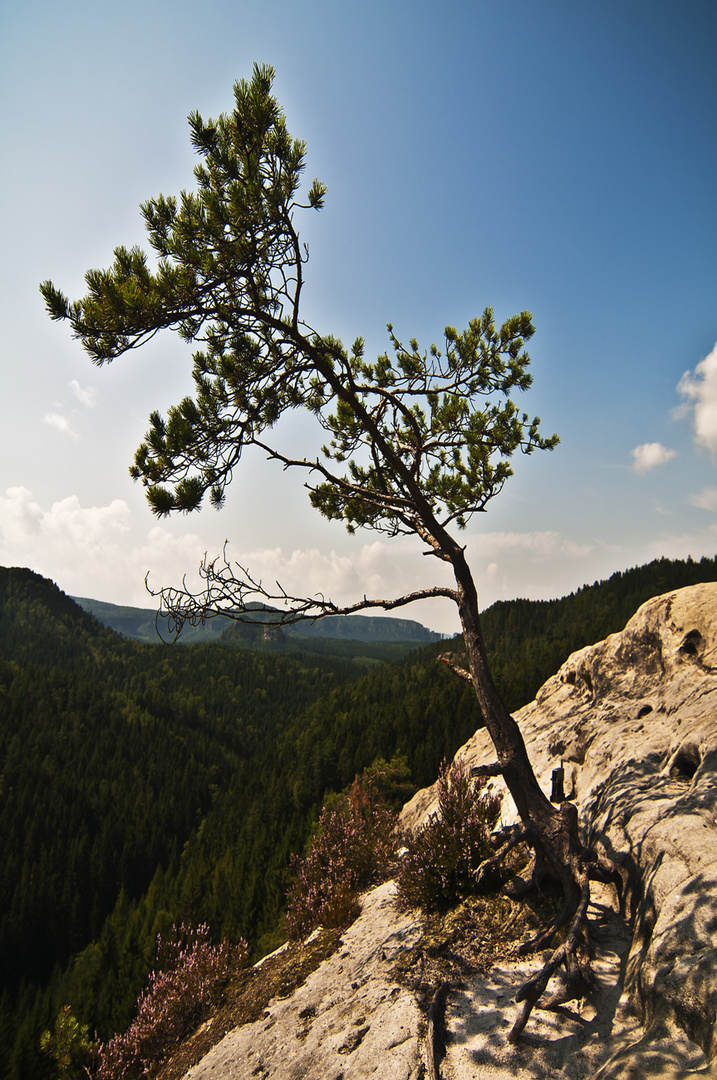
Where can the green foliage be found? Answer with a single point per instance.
(448, 419)
(438, 867)
(418, 440)
(229, 272)
(69, 1045)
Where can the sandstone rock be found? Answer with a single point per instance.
(348, 1021)
(634, 720)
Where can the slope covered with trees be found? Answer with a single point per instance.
(140, 786)
(145, 624)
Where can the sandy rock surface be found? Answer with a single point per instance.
(348, 1021)
(633, 719)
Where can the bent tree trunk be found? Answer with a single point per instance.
(550, 831)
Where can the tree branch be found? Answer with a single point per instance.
(496, 769)
(245, 599)
(447, 659)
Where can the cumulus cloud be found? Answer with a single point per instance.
(95, 551)
(86, 396)
(540, 564)
(66, 527)
(57, 420)
(702, 542)
(651, 455)
(699, 389)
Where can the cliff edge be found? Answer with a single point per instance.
(633, 720)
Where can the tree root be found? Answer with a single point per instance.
(516, 835)
(574, 953)
(434, 1035)
(543, 937)
(579, 976)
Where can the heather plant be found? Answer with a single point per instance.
(354, 847)
(439, 864)
(187, 980)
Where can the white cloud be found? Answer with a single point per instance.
(705, 499)
(65, 528)
(86, 396)
(536, 545)
(100, 552)
(696, 544)
(94, 551)
(57, 420)
(651, 455)
(539, 564)
(699, 388)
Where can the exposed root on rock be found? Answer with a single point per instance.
(574, 867)
(434, 1034)
(576, 960)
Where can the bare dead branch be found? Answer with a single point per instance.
(230, 590)
(447, 659)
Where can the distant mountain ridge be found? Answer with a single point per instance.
(144, 625)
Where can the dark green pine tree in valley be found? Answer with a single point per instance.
(417, 441)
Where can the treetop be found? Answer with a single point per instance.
(418, 440)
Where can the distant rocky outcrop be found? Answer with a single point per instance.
(633, 720)
(145, 624)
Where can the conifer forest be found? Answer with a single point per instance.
(143, 786)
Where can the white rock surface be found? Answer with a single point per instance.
(634, 719)
(348, 1021)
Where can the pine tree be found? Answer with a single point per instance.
(418, 441)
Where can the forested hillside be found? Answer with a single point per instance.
(142, 785)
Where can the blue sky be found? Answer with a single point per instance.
(549, 156)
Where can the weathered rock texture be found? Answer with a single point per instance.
(634, 720)
(348, 1021)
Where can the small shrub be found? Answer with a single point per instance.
(355, 846)
(69, 1045)
(189, 976)
(438, 868)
